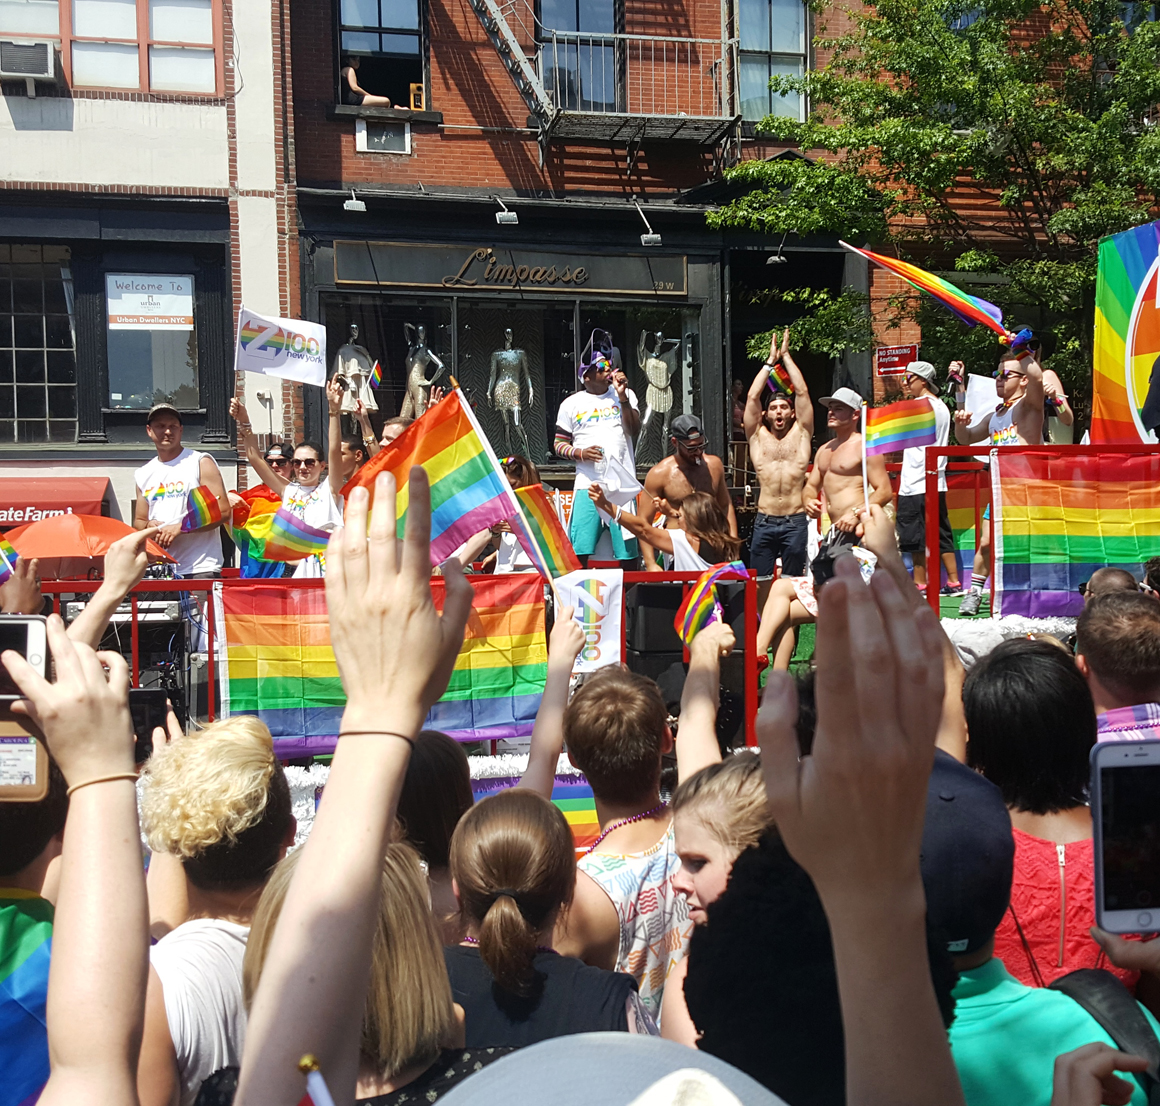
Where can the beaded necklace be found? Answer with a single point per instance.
(626, 822)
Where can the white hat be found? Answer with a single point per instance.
(923, 369)
(843, 395)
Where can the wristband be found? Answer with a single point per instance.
(377, 733)
(101, 779)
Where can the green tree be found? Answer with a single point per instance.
(1001, 138)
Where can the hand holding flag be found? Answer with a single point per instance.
(700, 607)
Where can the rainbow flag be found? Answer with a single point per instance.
(8, 559)
(902, 425)
(280, 666)
(376, 377)
(1059, 518)
(540, 532)
(971, 309)
(469, 491)
(700, 606)
(26, 927)
(572, 794)
(1127, 334)
(779, 380)
(204, 510)
(288, 538)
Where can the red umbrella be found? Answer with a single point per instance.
(70, 537)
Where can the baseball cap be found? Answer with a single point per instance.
(843, 395)
(594, 361)
(924, 369)
(163, 409)
(686, 427)
(279, 452)
(968, 855)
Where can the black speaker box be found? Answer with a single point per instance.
(651, 609)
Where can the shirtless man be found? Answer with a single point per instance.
(837, 473)
(689, 469)
(1017, 420)
(779, 447)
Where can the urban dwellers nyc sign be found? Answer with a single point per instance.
(494, 269)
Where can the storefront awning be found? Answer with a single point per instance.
(29, 499)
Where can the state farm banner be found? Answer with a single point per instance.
(286, 348)
(597, 594)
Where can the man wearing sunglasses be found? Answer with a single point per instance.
(1016, 420)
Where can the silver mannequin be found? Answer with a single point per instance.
(658, 365)
(509, 370)
(418, 358)
(353, 364)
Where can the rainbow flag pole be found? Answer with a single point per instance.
(865, 477)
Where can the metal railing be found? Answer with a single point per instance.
(638, 74)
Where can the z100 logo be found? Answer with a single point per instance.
(590, 611)
(260, 338)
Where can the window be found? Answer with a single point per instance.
(149, 45)
(578, 63)
(38, 401)
(382, 138)
(773, 43)
(385, 35)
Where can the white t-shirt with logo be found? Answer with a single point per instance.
(912, 479)
(316, 507)
(596, 420)
(165, 486)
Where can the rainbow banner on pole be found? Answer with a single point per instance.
(541, 534)
(700, 607)
(280, 666)
(1127, 335)
(779, 380)
(1059, 518)
(902, 425)
(469, 491)
(204, 510)
(572, 794)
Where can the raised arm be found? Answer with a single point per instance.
(395, 654)
(629, 415)
(751, 418)
(334, 438)
(639, 527)
(366, 431)
(1034, 394)
(697, 731)
(1053, 389)
(125, 564)
(802, 404)
(266, 474)
(548, 733)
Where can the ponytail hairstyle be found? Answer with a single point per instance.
(513, 861)
(704, 519)
(728, 799)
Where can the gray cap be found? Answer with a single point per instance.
(686, 427)
(924, 369)
(163, 409)
(843, 395)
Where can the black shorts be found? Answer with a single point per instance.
(911, 524)
(783, 536)
(837, 543)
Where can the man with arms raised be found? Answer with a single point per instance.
(1017, 420)
(779, 447)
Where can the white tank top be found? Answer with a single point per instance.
(1003, 428)
(316, 507)
(685, 558)
(165, 486)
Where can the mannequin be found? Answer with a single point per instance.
(658, 366)
(418, 358)
(509, 368)
(354, 365)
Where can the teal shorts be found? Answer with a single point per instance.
(585, 526)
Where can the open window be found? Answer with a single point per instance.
(385, 40)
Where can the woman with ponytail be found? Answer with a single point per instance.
(513, 870)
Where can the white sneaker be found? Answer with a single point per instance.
(970, 605)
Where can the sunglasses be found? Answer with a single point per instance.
(274, 462)
(304, 463)
(1006, 373)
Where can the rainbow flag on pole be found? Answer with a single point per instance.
(376, 377)
(288, 538)
(902, 425)
(8, 559)
(204, 510)
(571, 793)
(700, 606)
(280, 665)
(469, 491)
(1059, 518)
(541, 534)
(779, 380)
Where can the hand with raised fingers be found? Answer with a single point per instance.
(395, 652)
(127, 559)
(716, 639)
(171, 731)
(566, 639)
(20, 593)
(1087, 1076)
(84, 715)
(333, 396)
(851, 813)
(783, 349)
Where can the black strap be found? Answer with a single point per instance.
(1103, 996)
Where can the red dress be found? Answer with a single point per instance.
(1053, 901)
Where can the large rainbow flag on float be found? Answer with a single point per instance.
(571, 793)
(1127, 334)
(280, 665)
(1059, 518)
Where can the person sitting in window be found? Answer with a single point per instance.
(352, 92)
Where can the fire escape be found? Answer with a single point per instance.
(614, 88)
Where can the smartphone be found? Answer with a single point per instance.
(1126, 819)
(27, 635)
(148, 707)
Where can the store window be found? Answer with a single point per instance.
(773, 43)
(578, 63)
(152, 343)
(38, 401)
(386, 38)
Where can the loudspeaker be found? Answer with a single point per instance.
(650, 611)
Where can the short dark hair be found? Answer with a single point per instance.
(436, 794)
(1118, 634)
(1152, 573)
(1031, 724)
(355, 444)
(615, 728)
(1109, 579)
(27, 828)
(311, 445)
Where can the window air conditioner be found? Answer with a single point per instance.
(27, 58)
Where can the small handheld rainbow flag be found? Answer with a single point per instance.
(376, 375)
(204, 510)
(779, 380)
(288, 538)
(700, 606)
(8, 559)
(902, 425)
(541, 534)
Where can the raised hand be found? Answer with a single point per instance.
(715, 639)
(333, 396)
(127, 559)
(239, 413)
(566, 639)
(1087, 1076)
(20, 593)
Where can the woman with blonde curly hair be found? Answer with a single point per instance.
(216, 800)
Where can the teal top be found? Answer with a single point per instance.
(1006, 1036)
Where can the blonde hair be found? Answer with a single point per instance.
(728, 799)
(409, 1013)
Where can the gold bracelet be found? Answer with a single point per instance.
(101, 779)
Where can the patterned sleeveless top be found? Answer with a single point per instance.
(654, 917)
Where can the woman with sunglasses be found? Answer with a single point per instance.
(304, 489)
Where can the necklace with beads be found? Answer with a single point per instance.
(625, 822)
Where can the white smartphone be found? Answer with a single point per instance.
(27, 635)
(1126, 820)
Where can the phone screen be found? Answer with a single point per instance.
(13, 635)
(147, 706)
(1130, 816)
